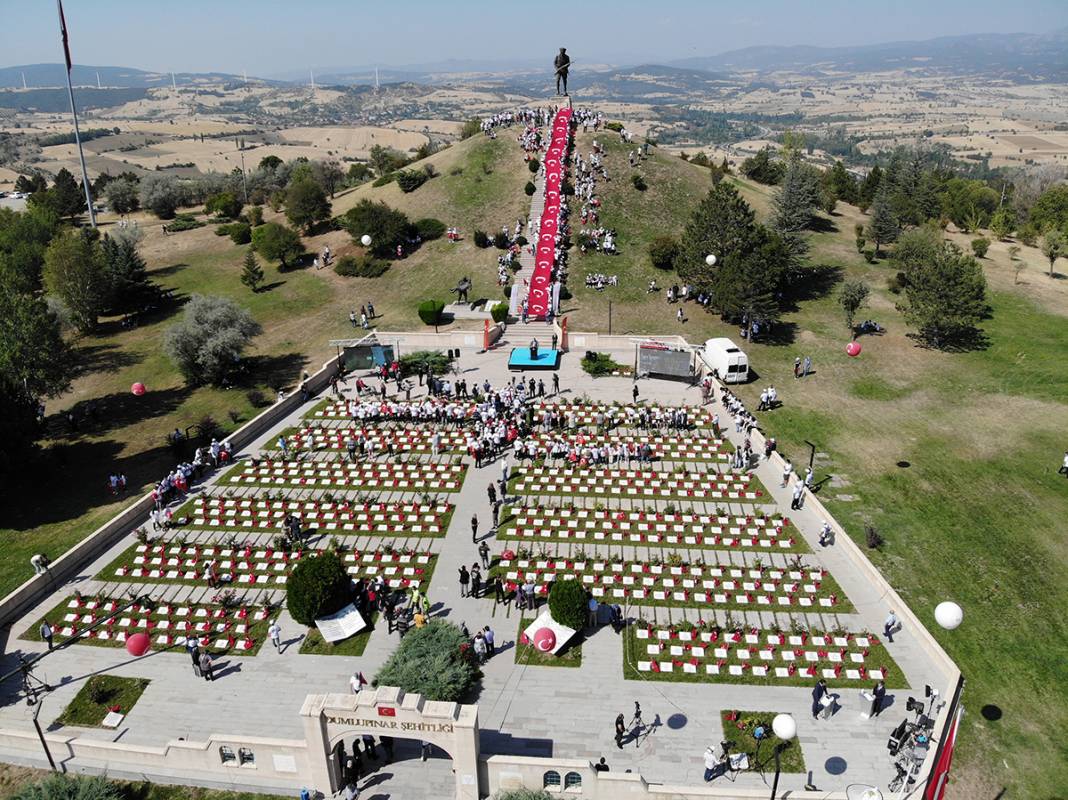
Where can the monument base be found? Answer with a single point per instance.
(522, 359)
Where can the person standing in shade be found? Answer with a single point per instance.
(562, 63)
(474, 528)
(205, 666)
(46, 633)
(484, 551)
(621, 730)
(878, 695)
(465, 579)
(889, 626)
(274, 633)
(819, 691)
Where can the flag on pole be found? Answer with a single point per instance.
(936, 785)
(63, 31)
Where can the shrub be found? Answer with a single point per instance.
(430, 312)
(470, 128)
(317, 587)
(411, 179)
(530, 188)
(1028, 234)
(869, 254)
(225, 204)
(208, 340)
(278, 242)
(598, 364)
(240, 232)
(386, 226)
(481, 239)
(59, 786)
(501, 240)
(662, 252)
(184, 222)
(429, 228)
(980, 245)
(895, 283)
(873, 538)
(568, 604)
(417, 362)
(639, 182)
(435, 661)
(614, 126)
(499, 312)
(567, 187)
(255, 216)
(523, 794)
(534, 165)
(507, 291)
(861, 241)
(521, 240)
(362, 267)
(389, 177)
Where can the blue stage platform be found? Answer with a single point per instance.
(546, 359)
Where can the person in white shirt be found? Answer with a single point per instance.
(1064, 467)
(890, 624)
(787, 470)
(274, 633)
(826, 534)
(711, 763)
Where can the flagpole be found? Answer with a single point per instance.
(74, 115)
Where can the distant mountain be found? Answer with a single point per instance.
(40, 76)
(1019, 56)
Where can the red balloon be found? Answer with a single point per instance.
(138, 389)
(138, 644)
(544, 640)
(853, 349)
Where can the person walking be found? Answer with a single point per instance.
(826, 534)
(476, 581)
(491, 492)
(46, 633)
(465, 579)
(479, 645)
(496, 513)
(621, 730)
(483, 549)
(797, 368)
(787, 471)
(352, 317)
(487, 634)
(890, 624)
(424, 750)
(819, 691)
(205, 666)
(274, 633)
(474, 528)
(357, 682)
(634, 392)
(799, 496)
(806, 367)
(556, 383)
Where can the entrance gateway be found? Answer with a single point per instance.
(330, 719)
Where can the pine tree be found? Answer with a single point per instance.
(883, 227)
(722, 224)
(868, 187)
(126, 274)
(794, 204)
(252, 272)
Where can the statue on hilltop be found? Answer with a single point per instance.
(562, 62)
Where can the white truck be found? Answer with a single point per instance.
(727, 359)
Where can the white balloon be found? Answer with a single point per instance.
(365, 240)
(949, 615)
(710, 260)
(784, 726)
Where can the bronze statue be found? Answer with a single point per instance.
(562, 62)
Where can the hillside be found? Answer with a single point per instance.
(952, 457)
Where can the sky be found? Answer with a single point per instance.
(272, 37)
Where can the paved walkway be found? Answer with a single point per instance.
(522, 709)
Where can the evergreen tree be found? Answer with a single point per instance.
(721, 225)
(68, 199)
(126, 274)
(748, 282)
(306, 203)
(883, 227)
(1003, 223)
(251, 272)
(945, 289)
(841, 183)
(868, 187)
(852, 297)
(793, 206)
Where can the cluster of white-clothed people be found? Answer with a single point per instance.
(578, 452)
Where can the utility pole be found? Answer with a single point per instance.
(174, 83)
(24, 80)
(98, 86)
(376, 79)
(312, 73)
(609, 317)
(244, 181)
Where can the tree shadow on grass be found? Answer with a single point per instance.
(109, 358)
(69, 479)
(163, 272)
(823, 225)
(268, 287)
(275, 371)
(98, 415)
(780, 335)
(965, 342)
(815, 281)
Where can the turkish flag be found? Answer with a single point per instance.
(387, 711)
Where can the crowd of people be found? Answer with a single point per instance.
(600, 281)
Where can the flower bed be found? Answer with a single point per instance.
(664, 447)
(410, 477)
(246, 566)
(651, 528)
(738, 728)
(415, 411)
(344, 516)
(99, 696)
(682, 585)
(237, 631)
(404, 440)
(642, 484)
(709, 654)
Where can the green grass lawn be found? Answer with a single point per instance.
(314, 644)
(98, 696)
(569, 656)
(14, 779)
(738, 729)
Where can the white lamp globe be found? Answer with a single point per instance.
(710, 260)
(784, 726)
(949, 615)
(365, 240)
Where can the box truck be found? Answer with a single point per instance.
(728, 361)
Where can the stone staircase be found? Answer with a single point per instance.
(526, 258)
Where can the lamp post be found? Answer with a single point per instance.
(785, 729)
